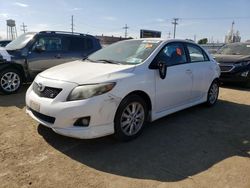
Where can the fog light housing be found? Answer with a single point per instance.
(82, 122)
(245, 74)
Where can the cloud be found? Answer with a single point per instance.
(188, 23)
(20, 4)
(4, 15)
(40, 27)
(75, 9)
(159, 20)
(109, 18)
(2, 35)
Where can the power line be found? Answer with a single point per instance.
(24, 28)
(216, 18)
(174, 22)
(126, 30)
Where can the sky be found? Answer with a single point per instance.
(211, 19)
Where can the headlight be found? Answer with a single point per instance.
(87, 91)
(244, 63)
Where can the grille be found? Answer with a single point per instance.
(226, 68)
(47, 92)
(43, 117)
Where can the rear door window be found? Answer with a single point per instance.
(80, 44)
(89, 44)
(76, 44)
(196, 53)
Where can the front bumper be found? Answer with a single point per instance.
(101, 110)
(236, 74)
(241, 76)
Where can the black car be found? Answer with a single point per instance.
(234, 61)
(31, 53)
(3, 43)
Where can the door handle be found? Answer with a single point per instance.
(188, 71)
(58, 56)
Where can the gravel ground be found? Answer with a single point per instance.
(197, 147)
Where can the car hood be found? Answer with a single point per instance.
(9, 55)
(85, 72)
(4, 55)
(231, 58)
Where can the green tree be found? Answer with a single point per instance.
(203, 41)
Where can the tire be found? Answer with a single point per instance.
(10, 81)
(130, 118)
(213, 93)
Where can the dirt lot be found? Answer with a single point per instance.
(197, 147)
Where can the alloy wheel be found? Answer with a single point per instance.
(10, 81)
(213, 93)
(132, 118)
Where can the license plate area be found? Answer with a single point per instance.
(35, 106)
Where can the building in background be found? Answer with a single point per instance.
(232, 36)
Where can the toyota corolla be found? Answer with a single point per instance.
(119, 88)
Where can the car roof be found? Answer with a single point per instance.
(165, 40)
(65, 33)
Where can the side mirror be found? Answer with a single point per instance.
(39, 48)
(162, 69)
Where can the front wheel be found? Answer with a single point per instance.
(130, 118)
(213, 93)
(10, 81)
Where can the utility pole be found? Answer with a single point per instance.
(72, 24)
(194, 38)
(174, 22)
(24, 28)
(126, 30)
(169, 35)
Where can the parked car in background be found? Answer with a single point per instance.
(212, 48)
(234, 61)
(31, 53)
(3, 43)
(118, 88)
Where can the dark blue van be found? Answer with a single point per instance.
(31, 53)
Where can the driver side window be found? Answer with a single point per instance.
(172, 54)
(49, 44)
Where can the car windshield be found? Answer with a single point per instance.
(20, 41)
(235, 49)
(125, 52)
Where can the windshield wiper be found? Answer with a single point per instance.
(109, 61)
(91, 60)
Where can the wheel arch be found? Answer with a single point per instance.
(145, 97)
(15, 66)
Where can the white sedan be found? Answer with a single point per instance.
(119, 88)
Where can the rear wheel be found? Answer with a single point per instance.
(130, 118)
(213, 93)
(10, 81)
